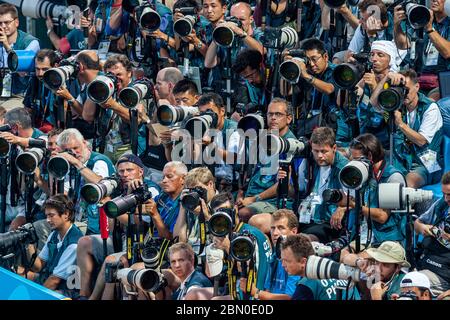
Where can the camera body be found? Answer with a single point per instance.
(123, 204)
(191, 199)
(244, 109)
(24, 235)
(279, 38)
(347, 75)
(391, 97)
(191, 11)
(332, 196)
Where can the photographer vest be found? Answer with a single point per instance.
(392, 228)
(91, 210)
(55, 253)
(435, 256)
(324, 211)
(405, 152)
(325, 289)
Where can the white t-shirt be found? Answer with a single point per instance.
(431, 122)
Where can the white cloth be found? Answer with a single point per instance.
(431, 122)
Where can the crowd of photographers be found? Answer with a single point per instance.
(230, 150)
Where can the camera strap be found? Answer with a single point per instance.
(251, 277)
(202, 224)
(232, 277)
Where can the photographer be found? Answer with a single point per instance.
(59, 253)
(314, 177)
(414, 286)
(166, 79)
(247, 36)
(252, 89)
(187, 227)
(90, 167)
(317, 83)
(418, 133)
(434, 225)
(197, 41)
(261, 193)
(39, 100)
(385, 224)
(295, 251)
(435, 53)
(11, 38)
(384, 57)
(220, 203)
(372, 26)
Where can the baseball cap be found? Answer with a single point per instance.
(130, 158)
(389, 252)
(214, 259)
(415, 279)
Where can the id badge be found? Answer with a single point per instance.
(103, 49)
(7, 85)
(429, 160)
(138, 43)
(304, 212)
(99, 25)
(432, 56)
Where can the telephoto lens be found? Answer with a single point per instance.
(123, 204)
(5, 148)
(242, 247)
(149, 19)
(168, 115)
(150, 255)
(58, 167)
(94, 192)
(221, 222)
(322, 268)
(145, 279)
(102, 88)
(23, 235)
(28, 161)
(183, 27)
(130, 97)
(355, 174)
(197, 126)
(251, 121)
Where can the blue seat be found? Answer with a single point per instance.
(436, 188)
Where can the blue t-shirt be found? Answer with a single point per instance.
(278, 281)
(168, 209)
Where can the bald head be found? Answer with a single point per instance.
(241, 7)
(89, 59)
(165, 81)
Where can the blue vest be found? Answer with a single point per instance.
(405, 152)
(55, 254)
(326, 289)
(92, 214)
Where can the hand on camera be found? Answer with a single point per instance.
(396, 79)
(11, 138)
(398, 118)
(85, 22)
(222, 243)
(64, 93)
(191, 38)
(237, 31)
(177, 15)
(71, 159)
(243, 286)
(399, 14)
(429, 25)
(370, 80)
(336, 218)
(377, 290)
(149, 208)
(158, 34)
(133, 185)
(49, 23)
(281, 174)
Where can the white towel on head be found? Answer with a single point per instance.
(391, 49)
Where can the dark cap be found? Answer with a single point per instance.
(130, 158)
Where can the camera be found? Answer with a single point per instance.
(187, 11)
(396, 196)
(391, 97)
(329, 248)
(24, 235)
(221, 222)
(102, 88)
(56, 78)
(28, 161)
(279, 38)
(242, 247)
(244, 109)
(130, 96)
(347, 75)
(276, 145)
(337, 3)
(123, 204)
(58, 167)
(418, 15)
(149, 19)
(94, 192)
(169, 115)
(198, 125)
(253, 121)
(355, 174)
(43, 9)
(289, 70)
(183, 27)
(145, 279)
(151, 253)
(323, 268)
(223, 36)
(21, 61)
(332, 196)
(191, 199)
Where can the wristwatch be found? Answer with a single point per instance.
(256, 296)
(199, 45)
(430, 31)
(244, 35)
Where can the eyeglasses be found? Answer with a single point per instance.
(6, 23)
(277, 115)
(314, 60)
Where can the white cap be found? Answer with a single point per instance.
(415, 279)
(391, 49)
(214, 259)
